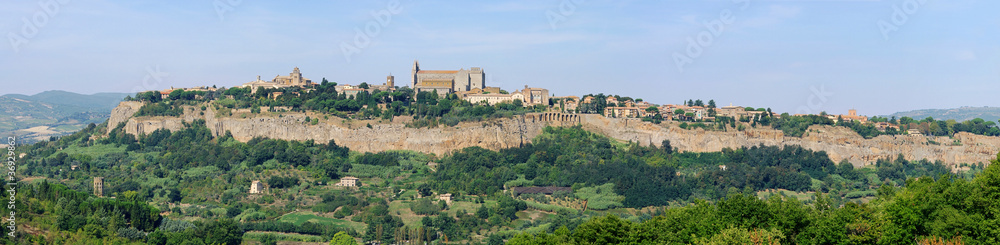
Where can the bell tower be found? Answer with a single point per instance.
(413, 72)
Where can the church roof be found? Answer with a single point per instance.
(437, 71)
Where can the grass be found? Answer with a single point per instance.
(801, 196)
(298, 218)
(407, 194)
(256, 236)
(410, 219)
(548, 207)
(468, 207)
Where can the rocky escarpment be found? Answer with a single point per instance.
(839, 143)
(502, 133)
(122, 113)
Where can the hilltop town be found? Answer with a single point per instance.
(449, 159)
(470, 86)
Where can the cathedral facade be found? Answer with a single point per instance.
(445, 82)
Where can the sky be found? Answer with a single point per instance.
(796, 56)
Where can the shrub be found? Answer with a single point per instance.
(283, 182)
(424, 206)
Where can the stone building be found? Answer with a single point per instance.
(528, 96)
(883, 126)
(99, 186)
(445, 197)
(445, 82)
(349, 181)
(535, 96)
(852, 116)
(566, 103)
(616, 111)
(293, 79)
(492, 99)
(256, 187)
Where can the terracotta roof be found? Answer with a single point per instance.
(438, 71)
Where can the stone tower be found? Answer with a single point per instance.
(296, 76)
(99, 186)
(390, 81)
(416, 68)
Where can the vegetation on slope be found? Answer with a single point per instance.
(927, 211)
(195, 177)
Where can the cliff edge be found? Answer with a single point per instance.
(839, 143)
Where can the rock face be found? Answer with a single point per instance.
(122, 113)
(839, 143)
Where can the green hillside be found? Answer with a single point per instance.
(53, 113)
(190, 186)
(958, 114)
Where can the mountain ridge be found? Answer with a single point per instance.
(964, 113)
(53, 112)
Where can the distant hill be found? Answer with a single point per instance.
(959, 114)
(53, 113)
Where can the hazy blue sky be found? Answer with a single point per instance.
(877, 56)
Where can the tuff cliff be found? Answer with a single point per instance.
(839, 143)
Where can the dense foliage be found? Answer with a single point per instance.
(645, 176)
(927, 211)
(121, 220)
(798, 125)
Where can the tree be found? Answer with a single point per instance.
(711, 103)
(176, 94)
(174, 195)
(653, 110)
(666, 147)
(604, 230)
(222, 231)
(424, 189)
(342, 238)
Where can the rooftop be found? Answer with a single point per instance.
(437, 71)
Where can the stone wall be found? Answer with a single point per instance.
(839, 143)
